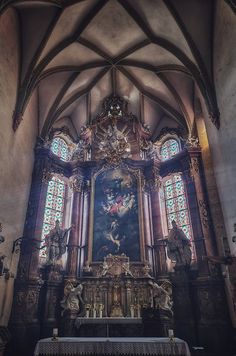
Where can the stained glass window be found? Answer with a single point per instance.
(169, 149)
(60, 148)
(176, 204)
(54, 207)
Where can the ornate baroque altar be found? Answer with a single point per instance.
(112, 263)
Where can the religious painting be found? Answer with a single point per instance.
(116, 220)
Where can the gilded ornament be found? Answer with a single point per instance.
(112, 145)
(46, 176)
(76, 184)
(192, 142)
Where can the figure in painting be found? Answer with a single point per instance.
(116, 215)
(56, 244)
(72, 297)
(178, 246)
(113, 235)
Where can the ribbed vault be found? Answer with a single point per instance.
(151, 52)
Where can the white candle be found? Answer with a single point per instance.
(100, 313)
(94, 313)
(132, 311)
(171, 333)
(139, 311)
(54, 332)
(87, 313)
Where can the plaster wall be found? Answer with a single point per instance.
(223, 141)
(17, 155)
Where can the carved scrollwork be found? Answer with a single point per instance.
(179, 132)
(204, 213)
(77, 184)
(20, 298)
(115, 266)
(148, 150)
(155, 182)
(192, 142)
(194, 166)
(112, 144)
(31, 297)
(82, 150)
(46, 176)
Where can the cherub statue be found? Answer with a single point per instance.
(72, 297)
(146, 270)
(105, 268)
(87, 268)
(126, 269)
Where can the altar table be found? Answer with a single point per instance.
(112, 346)
(107, 322)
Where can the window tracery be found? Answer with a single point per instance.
(176, 204)
(54, 208)
(169, 149)
(60, 148)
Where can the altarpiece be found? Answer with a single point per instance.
(114, 264)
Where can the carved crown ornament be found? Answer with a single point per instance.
(113, 135)
(113, 107)
(113, 144)
(114, 138)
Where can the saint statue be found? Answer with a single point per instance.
(178, 246)
(56, 244)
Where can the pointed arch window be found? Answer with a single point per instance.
(176, 204)
(54, 208)
(169, 148)
(60, 148)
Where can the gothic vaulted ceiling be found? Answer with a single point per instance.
(151, 52)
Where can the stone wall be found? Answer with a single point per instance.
(223, 141)
(17, 155)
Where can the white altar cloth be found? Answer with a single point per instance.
(91, 346)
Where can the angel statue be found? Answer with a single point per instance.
(161, 297)
(72, 297)
(56, 242)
